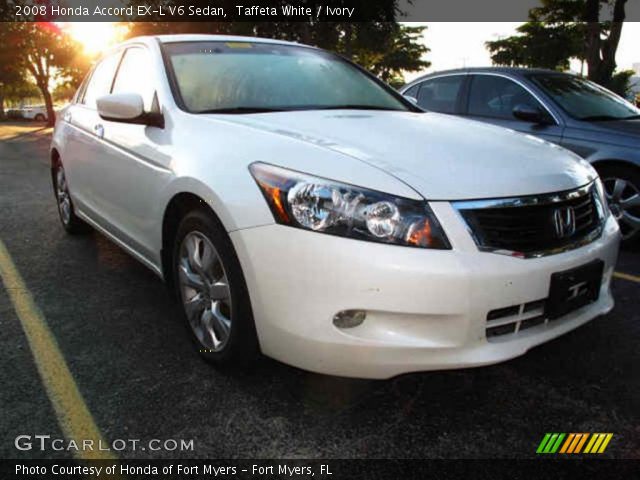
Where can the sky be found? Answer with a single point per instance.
(456, 45)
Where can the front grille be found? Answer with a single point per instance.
(528, 226)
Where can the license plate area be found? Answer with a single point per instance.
(572, 289)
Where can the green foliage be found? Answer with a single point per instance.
(620, 83)
(539, 45)
(40, 51)
(560, 30)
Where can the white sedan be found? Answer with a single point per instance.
(299, 207)
(37, 113)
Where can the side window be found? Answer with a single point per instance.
(440, 94)
(133, 75)
(495, 97)
(413, 91)
(100, 81)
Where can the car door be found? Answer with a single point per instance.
(83, 148)
(133, 169)
(491, 98)
(439, 94)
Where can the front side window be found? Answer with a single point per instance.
(244, 77)
(133, 75)
(440, 94)
(496, 97)
(100, 81)
(583, 99)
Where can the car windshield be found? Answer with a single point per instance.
(247, 77)
(585, 100)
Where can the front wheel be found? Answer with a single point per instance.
(622, 189)
(211, 288)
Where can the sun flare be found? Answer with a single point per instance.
(95, 37)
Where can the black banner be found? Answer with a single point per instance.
(289, 10)
(317, 469)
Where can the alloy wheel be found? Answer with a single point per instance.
(624, 202)
(62, 194)
(205, 291)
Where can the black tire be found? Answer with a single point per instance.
(70, 221)
(39, 118)
(609, 174)
(241, 347)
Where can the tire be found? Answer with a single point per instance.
(622, 188)
(39, 118)
(70, 221)
(212, 292)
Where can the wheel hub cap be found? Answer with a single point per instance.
(205, 292)
(623, 198)
(62, 193)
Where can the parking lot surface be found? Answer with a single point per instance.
(131, 361)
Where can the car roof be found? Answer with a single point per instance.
(515, 71)
(216, 38)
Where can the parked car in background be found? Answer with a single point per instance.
(298, 206)
(562, 108)
(36, 112)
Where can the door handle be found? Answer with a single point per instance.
(98, 129)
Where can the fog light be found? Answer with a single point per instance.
(349, 318)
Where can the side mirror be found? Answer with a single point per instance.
(413, 100)
(529, 113)
(127, 108)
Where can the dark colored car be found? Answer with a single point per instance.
(562, 108)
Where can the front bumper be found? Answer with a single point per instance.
(426, 309)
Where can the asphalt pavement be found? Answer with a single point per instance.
(132, 362)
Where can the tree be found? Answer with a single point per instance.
(539, 45)
(563, 29)
(602, 39)
(42, 51)
(10, 74)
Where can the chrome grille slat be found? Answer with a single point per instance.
(524, 226)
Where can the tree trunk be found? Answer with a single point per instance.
(2, 114)
(48, 103)
(601, 53)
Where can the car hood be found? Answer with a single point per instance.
(442, 157)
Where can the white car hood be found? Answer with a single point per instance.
(442, 157)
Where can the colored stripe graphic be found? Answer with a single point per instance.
(543, 443)
(567, 443)
(573, 443)
(550, 443)
(581, 443)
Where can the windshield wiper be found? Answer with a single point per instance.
(240, 110)
(631, 117)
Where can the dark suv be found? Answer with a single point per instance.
(559, 107)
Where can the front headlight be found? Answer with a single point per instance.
(601, 202)
(313, 203)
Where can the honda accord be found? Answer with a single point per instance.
(299, 207)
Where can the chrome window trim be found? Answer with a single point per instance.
(419, 81)
(532, 200)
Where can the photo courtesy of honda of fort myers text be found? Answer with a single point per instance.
(339, 239)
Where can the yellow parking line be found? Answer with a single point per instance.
(626, 276)
(73, 415)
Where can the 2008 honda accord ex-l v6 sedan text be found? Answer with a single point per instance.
(299, 207)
